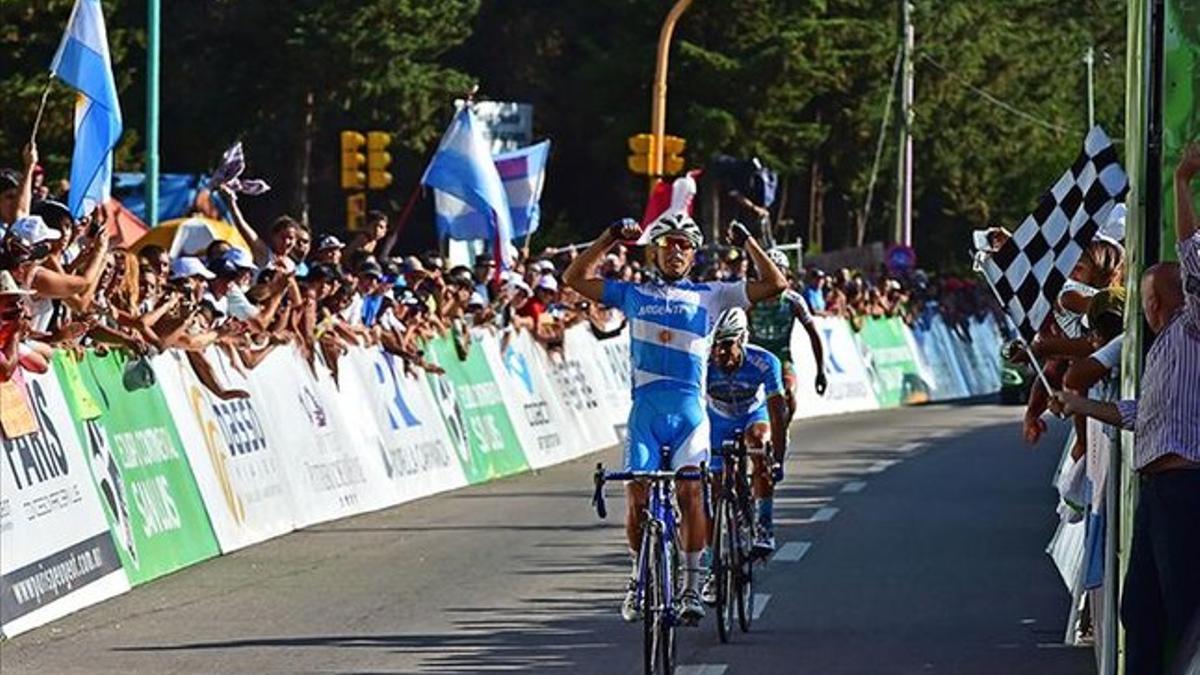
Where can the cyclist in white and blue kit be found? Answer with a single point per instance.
(669, 321)
(746, 393)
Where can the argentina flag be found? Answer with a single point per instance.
(83, 62)
(469, 197)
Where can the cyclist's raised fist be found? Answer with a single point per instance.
(737, 234)
(625, 229)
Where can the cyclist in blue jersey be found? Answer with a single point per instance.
(746, 392)
(669, 321)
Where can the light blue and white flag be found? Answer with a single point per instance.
(83, 62)
(523, 173)
(469, 198)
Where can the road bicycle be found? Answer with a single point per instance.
(658, 579)
(733, 536)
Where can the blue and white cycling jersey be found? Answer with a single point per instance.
(668, 328)
(745, 390)
(668, 350)
(737, 400)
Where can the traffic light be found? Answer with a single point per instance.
(672, 155)
(354, 162)
(642, 147)
(378, 160)
(356, 211)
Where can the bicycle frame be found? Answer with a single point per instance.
(660, 517)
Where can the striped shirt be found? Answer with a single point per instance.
(668, 329)
(1165, 418)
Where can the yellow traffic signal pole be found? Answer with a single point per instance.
(658, 102)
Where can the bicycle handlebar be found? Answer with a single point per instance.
(600, 477)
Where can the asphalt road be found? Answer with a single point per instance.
(915, 544)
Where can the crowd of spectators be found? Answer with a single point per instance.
(65, 285)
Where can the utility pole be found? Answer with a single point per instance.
(153, 24)
(903, 233)
(658, 104)
(1089, 59)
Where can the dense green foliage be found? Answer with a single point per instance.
(800, 84)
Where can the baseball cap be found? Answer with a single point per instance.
(189, 266)
(412, 264)
(518, 285)
(233, 261)
(476, 300)
(329, 242)
(52, 211)
(548, 283)
(33, 230)
(542, 266)
(370, 267)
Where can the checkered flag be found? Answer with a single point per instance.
(1028, 271)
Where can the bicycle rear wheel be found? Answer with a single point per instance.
(723, 570)
(652, 602)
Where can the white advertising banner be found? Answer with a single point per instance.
(415, 450)
(616, 373)
(541, 420)
(849, 387)
(985, 340)
(577, 382)
(56, 552)
(237, 464)
(328, 476)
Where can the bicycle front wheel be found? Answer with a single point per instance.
(652, 601)
(723, 570)
(669, 577)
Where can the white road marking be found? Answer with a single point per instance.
(792, 551)
(760, 604)
(702, 669)
(882, 465)
(854, 486)
(802, 501)
(824, 514)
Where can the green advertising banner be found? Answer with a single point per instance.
(894, 370)
(138, 464)
(472, 406)
(1180, 105)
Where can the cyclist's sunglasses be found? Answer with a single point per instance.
(678, 241)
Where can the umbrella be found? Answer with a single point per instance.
(124, 226)
(190, 236)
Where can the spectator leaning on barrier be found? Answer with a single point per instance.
(1162, 587)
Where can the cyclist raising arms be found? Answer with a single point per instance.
(771, 324)
(669, 321)
(771, 328)
(745, 391)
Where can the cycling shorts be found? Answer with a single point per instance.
(789, 374)
(678, 422)
(722, 429)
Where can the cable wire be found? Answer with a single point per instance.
(995, 101)
(887, 112)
